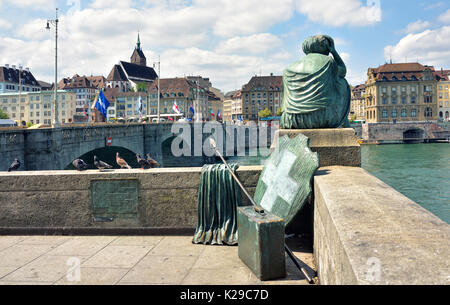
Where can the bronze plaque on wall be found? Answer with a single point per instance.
(114, 199)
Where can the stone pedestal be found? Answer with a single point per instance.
(337, 146)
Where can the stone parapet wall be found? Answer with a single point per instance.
(62, 199)
(365, 232)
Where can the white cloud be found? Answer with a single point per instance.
(228, 71)
(342, 12)
(109, 4)
(224, 40)
(430, 47)
(254, 44)
(445, 17)
(34, 4)
(247, 17)
(417, 26)
(5, 24)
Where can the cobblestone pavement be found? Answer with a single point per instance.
(141, 260)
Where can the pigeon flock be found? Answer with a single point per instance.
(80, 165)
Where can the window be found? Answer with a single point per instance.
(394, 113)
(383, 89)
(413, 113)
(427, 88)
(394, 100)
(404, 113)
(384, 101)
(403, 100)
(403, 89)
(413, 89)
(428, 99)
(413, 99)
(384, 113)
(428, 112)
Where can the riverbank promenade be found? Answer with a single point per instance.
(132, 260)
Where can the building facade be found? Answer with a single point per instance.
(228, 106)
(184, 93)
(260, 93)
(443, 91)
(37, 107)
(403, 92)
(122, 105)
(357, 110)
(85, 94)
(10, 76)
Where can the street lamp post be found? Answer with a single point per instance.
(55, 24)
(159, 76)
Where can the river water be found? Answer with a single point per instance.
(419, 171)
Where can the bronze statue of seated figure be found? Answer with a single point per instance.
(315, 92)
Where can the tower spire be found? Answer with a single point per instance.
(138, 45)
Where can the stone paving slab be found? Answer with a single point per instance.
(137, 260)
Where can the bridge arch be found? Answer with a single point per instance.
(108, 155)
(413, 135)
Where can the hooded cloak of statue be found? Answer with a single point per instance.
(315, 92)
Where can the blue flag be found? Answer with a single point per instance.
(191, 109)
(218, 113)
(102, 103)
(240, 118)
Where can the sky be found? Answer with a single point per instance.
(227, 41)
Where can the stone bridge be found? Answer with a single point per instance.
(408, 132)
(55, 149)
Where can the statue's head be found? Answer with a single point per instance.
(317, 44)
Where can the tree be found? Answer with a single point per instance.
(3, 116)
(141, 87)
(265, 113)
(279, 111)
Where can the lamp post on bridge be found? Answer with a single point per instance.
(54, 22)
(159, 90)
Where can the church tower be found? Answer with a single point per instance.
(138, 57)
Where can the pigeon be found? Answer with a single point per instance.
(152, 163)
(142, 162)
(100, 164)
(121, 162)
(14, 166)
(80, 165)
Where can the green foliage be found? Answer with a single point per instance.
(29, 124)
(265, 113)
(3, 116)
(141, 87)
(279, 111)
(353, 118)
